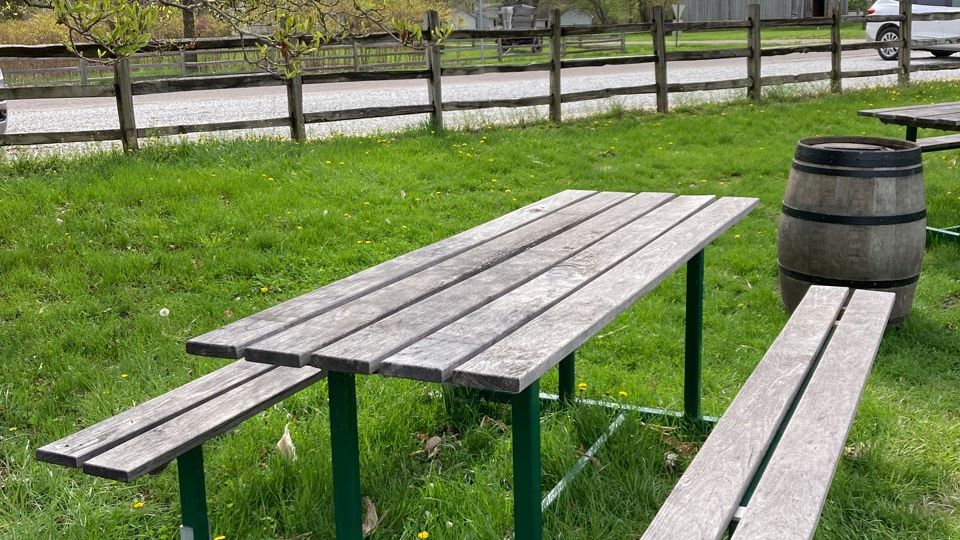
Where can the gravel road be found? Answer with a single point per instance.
(253, 103)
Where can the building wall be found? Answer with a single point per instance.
(731, 10)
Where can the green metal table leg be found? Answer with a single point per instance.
(193, 496)
(567, 378)
(527, 518)
(345, 455)
(694, 339)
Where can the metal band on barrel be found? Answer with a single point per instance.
(851, 283)
(857, 173)
(853, 220)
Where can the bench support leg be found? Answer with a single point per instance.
(527, 518)
(193, 496)
(912, 133)
(694, 339)
(567, 378)
(345, 455)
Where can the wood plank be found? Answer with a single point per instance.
(362, 351)
(908, 108)
(56, 137)
(943, 142)
(55, 92)
(157, 447)
(675, 56)
(522, 357)
(709, 85)
(794, 486)
(586, 95)
(608, 61)
(480, 70)
(74, 450)
(772, 80)
(436, 356)
(231, 340)
(496, 103)
(161, 131)
(703, 501)
(293, 346)
(365, 112)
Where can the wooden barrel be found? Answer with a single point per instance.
(854, 215)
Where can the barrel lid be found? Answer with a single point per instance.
(858, 152)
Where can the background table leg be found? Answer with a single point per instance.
(912, 133)
(193, 496)
(527, 516)
(567, 378)
(345, 455)
(694, 338)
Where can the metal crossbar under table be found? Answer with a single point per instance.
(528, 506)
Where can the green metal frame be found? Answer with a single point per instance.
(528, 506)
(193, 495)
(693, 342)
(345, 455)
(527, 512)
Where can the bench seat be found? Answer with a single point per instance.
(771, 458)
(942, 142)
(149, 436)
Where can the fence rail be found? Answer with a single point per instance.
(454, 55)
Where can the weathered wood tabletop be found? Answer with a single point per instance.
(944, 116)
(493, 307)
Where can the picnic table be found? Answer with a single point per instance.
(492, 308)
(940, 116)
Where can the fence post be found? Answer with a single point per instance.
(556, 52)
(660, 51)
(298, 127)
(431, 22)
(755, 90)
(84, 80)
(906, 36)
(123, 90)
(356, 55)
(183, 63)
(836, 66)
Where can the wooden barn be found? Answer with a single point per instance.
(727, 10)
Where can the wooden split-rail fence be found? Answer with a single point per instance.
(124, 87)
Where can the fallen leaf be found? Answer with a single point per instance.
(494, 422)
(432, 447)
(285, 445)
(670, 461)
(370, 519)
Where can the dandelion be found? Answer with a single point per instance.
(582, 386)
(264, 290)
(622, 393)
(138, 505)
(164, 312)
(423, 535)
(219, 537)
(736, 237)
(124, 375)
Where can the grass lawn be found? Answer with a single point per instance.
(92, 248)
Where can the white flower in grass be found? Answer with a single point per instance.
(285, 445)
(164, 312)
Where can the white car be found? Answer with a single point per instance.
(3, 109)
(921, 30)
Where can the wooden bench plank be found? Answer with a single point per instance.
(74, 450)
(160, 445)
(790, 495)
(361, 352)
(708, 494)
(292, 347)
(231, 340)
(909, 109)
(522, 357)
(435, 356)
(942, 142)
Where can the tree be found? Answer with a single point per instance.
(283, 31)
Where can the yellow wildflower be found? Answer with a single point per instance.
(124, 375)
(264, 290)
(138, 504)
(423, 535)
(622, 393)
(582, 386)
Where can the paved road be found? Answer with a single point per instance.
(252, 103)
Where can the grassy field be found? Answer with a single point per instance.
(93, 248)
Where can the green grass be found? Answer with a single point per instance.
(200, 229)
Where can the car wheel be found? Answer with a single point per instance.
(890, 33)
(942, 54)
